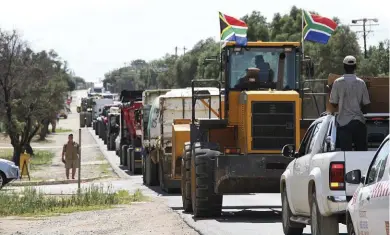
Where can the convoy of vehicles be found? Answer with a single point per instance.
(241, 137)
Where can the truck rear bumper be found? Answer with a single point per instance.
(335, 205)
(255, 173)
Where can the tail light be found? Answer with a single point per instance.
(336, 176)
(232, 150)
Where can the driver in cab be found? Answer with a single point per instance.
(257, 76)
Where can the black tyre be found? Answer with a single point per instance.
(205, 202)
(88, 119)
(350, 228)
(129, 161)
(322, 225)
(143, 170)
(151, 176)
(97, 128)
(82, 119)
(112, 143)
(186, 179)
(289, 228)
(108, 143)
(3, 179)
(123, 156)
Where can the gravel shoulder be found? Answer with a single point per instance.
(153, 218)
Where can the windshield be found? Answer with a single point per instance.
(107, 96)
(98, 90)
(268, 63)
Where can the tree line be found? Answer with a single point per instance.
(33, 89)
(172, 71)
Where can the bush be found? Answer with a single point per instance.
(32, 202)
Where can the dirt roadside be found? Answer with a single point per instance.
(152, 218)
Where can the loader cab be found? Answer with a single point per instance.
(262, 65)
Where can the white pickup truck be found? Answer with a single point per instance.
(313, 187)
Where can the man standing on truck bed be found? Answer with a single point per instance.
(350, 95)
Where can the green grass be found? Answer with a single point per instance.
(60, 130)
(41, 158)
(31, 202)
(105, 168)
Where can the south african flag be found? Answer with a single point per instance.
(233, 29)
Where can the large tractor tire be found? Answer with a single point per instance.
(97, 128)
(151, 176)
(205, 202)
(186, 178)
(111, 143)
(123, 157)
(82, 119)
(88, 119)
(108, 143)
(102, 131)
(143, 170)
(130, 154)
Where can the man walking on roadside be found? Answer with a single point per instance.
(350, 96)
(70, 156)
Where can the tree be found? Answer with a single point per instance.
(26, 106)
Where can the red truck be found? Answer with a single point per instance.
(130, 145)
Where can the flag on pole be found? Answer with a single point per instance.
(233, 29)
(317, 28)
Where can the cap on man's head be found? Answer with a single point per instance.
(349, 60)
(70, 135)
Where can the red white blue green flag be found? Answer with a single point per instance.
(317, 28)
(232, 29)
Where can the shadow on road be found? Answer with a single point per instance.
(247, 216)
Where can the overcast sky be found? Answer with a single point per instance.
(95, 36)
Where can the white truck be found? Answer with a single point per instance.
(313, 187)
(174, 105)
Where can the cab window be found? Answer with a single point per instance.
(313, 140)
(377, 169)
(306, 141)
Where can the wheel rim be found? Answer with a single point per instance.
(314, 220)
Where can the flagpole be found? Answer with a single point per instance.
(302, 39)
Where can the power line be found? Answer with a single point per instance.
(366, 22)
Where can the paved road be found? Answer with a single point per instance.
(257, 214)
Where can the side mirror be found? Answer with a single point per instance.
(288, 150)
(353, 177)
(362, 179)
(78, 109)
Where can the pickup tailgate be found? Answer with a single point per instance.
(356, 160)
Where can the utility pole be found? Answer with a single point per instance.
(365, 32)
(177, 48)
